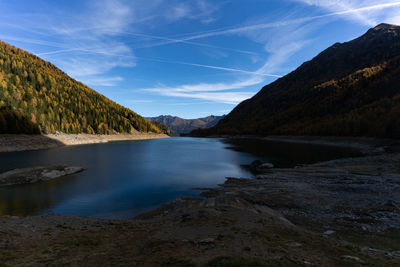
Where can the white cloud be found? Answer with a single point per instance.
(280, 49)
(169, 40)
(86, 47)
(220, 97)
(222, 92)
(103, 81)
(86, 42)
(140, 101)
(365, 12)
(91, 39)
(206, 87)
(209, 91)
(282, 40)
(178, 12)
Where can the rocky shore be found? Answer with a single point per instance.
(342, 212)
(20, 142)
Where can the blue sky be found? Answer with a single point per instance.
(185, 58)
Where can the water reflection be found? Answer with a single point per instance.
(286, 155)
(124, 179)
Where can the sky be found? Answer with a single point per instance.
(189, 58)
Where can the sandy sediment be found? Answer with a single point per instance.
(20, 142)
(81, 139)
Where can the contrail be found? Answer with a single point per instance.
(210, 67)
(282, 23)
(170, 41)
(230, 69)
(33, 41)
(173, 40)
(58, 52)
(225, 31)
(218, 33)
(170, 62)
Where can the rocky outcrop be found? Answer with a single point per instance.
(258, 166)
(36, 174)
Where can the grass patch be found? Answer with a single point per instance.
(389, 240)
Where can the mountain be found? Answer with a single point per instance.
(350, 89)
(37, 97)
(180, 125)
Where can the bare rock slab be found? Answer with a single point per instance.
(36, 174)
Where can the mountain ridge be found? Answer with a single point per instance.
(183, 126)
(329, 94)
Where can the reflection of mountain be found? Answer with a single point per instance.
(350, 89)
(22, 200)
(288, 155)
(35, 96)
(180, 125)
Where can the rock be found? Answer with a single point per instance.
(329, 232)
(396, 254)
(295, 245)
(248, 249)
(256, 163)
(207, 241)
(392, 204)
(36, 174)
(266, 165)
(259, 166)
(348, 257)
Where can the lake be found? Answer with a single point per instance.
(124, 179)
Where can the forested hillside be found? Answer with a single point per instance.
(350, 89)
(37, 97)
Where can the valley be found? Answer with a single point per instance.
(304, 173)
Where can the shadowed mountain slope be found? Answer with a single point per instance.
(350, 89)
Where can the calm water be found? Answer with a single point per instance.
(124, 179)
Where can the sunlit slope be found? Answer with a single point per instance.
(185, 126)
(37, 97)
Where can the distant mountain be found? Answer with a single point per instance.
(37, 97)
(350, 89)
(180, 125)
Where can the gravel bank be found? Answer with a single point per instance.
(10, 143)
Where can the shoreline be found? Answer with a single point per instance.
(22, 142)
(339, 212)
(366, 145)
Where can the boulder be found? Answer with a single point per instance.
(36, 174)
